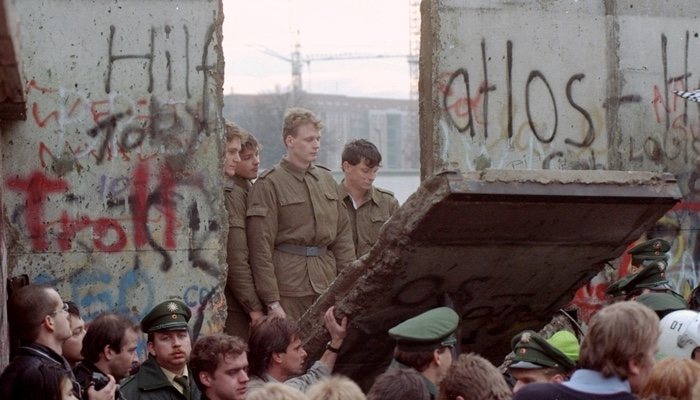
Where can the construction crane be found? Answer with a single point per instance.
(297, 60)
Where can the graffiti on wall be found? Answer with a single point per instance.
(112, 195)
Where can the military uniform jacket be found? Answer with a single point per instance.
(300, 207)
(239, 284)
(150, 383)
(368, 219)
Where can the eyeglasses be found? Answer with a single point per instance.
(63, 308)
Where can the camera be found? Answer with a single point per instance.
(99, 380)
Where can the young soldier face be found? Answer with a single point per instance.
(171, 349)
(247, 168)
(232, 157)
(303, 148)
(359, 176)
(230, 379)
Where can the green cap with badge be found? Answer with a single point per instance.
(663, 302)
(532, 351)
(654, 249)
(430, 330)
(170, 315)
(649, 277)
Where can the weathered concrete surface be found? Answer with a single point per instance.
(112, 187)
(12, 98)
(506, 248)
(571, 86)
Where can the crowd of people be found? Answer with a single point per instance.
(291, 230)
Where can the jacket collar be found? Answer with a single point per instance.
(297, 172)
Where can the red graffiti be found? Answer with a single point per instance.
(36, 189)
(108, 234)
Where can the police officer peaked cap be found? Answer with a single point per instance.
(654, 249)
(532, 351)
(650, 276)
(169, 315)
(430, 330)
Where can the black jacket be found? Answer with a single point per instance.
(19, 381)
(83, 374)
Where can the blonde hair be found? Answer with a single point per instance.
(335, 388)
(276, 391)
(619, 333)
(233, 131)
(295, 117)
(673, 378)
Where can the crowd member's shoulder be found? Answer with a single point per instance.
(323, 167)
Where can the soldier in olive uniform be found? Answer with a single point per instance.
(368, 206)
(298, 231)
(240, 166)
(164, 375)
(425, 343)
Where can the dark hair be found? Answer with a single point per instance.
(209, 350)
(73, 309)
(270, 335)
(41, 383)
(107, 329)
(418, 360)
(357, 150)
(250, 143)
(26, 310)
(399, 384)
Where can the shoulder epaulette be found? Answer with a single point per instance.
(385, 191)
(322, 167)
(266, 172)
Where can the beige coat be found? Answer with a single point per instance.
(299, 207)
(368, 219)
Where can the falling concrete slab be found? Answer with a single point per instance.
(506, 249)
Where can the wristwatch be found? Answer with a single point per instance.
(332, 349)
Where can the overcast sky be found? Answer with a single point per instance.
(326, 27)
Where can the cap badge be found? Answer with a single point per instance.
(525, 338)
(172, 307)
(522, 350)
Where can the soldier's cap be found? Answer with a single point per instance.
(652, 275)
(430, 330)
(170, 315)
(654, 249)
(532, 351)
(663, 302)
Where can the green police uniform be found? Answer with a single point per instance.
(428, 331)
(151, 383)
(532, 351)
(241, 297)
(298, 235)
(368, 219)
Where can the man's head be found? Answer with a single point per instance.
(472, 377)
(672, 378)
(168, 335)
(247, 168)
(72, 346)
(36, 313)
(335, 388)
(235, 136)
(621, 341)
(301, 134)
(220, 367)
(425, 342)
(360, 162)
(399, 384)
(110, 344)
(540, 360)
(275, 345)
